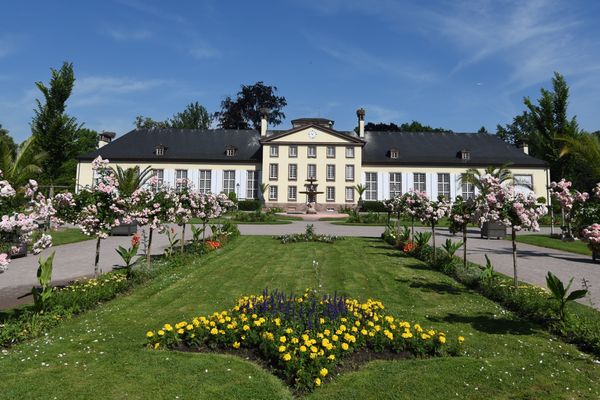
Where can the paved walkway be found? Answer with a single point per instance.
(76, 260)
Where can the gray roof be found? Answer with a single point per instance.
(182, 145)
(443, 148)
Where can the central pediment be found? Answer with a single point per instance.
(313, 133)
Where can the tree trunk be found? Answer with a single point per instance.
(412, 222)
(98, 239)
(433, 239)
(465, 247)
(204, 230)
(182, 237)
(551, 220)
(514, 254)
(562, 223)
(149, 249)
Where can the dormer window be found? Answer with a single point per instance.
(160, 150)
(230, 151)
(394, 153)
(464, 155)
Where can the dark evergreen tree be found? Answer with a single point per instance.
(194, 116)
(413, 126)
(10, 143)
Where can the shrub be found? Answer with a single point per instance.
(256, 216)
(249, 205)
(303, 338)
(308, 236)
(373, 206)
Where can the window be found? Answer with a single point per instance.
(371, 183)
(330, 193)
(444, 185)
(159, 180)
(204, 180)
(274, 150)
(293, 151)
(350, 194)
(330, 172)
(419, 182)
(312, 151)
(330, 151)
(292, 172)
(349, 152)
(180, 179)
(395, 184)
(349, 172)
(523, 183)
(394, 153)
(160, 150)
(468, 191)
(228, 181)
(273, 171)
(312, 171)
(465, 155)
(292, 193)
(252, 185)
(230, 151)
(273, 193)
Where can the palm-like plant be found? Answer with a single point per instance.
(360, 189)
(586, 147)
(19, 168)
(131, 179)
(474, 176)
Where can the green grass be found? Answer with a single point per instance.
(577, 247)
(221, 220)
(68, 235)
(101, 353)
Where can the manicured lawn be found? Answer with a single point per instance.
(578, 246)
(101, 352)
(68, 235)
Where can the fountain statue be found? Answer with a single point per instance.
(311, 192)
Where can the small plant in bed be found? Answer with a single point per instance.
(309, 235)
(305, 338)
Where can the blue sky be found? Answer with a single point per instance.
(455, 64)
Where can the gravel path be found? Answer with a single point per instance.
(76, 260)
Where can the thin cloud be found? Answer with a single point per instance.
(127, 35)
(204, 52)
(9, 44)
(382, 114)
(94, 90)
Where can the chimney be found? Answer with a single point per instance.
(360, 113)
(523, 145)
(105, 138)
(264, 113)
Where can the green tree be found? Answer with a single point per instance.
(55, 132)
(517, 131)
(142, 122)
(475, 176)
(194, 116)
(414, 126)
(245, 111)
(482, 130)
(132, 179)
(23, 165)
(5, 137)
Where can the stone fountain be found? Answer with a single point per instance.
(311, 192)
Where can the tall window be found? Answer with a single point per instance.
(330, 151)
(160, 178)
(312, 171)
(444, 185)
(419, 182)
(468, 191)
(273, 193)
(204, 180)
(252, 185)
(349, 172)
(395, 184)
(274, 150)
(292, 193)
(523, 183)
(180, 179)
(371, 183)
(292, 172)
(293, 151)
(273, 171)
(350, 194)
(330, 172)
(349, 152)
(228, 181)
(330, 193)
(312, 151)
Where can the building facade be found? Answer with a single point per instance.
(386, 163)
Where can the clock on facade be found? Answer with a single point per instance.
(312, 134)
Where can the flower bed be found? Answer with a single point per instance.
(304, 337)
(308, 236)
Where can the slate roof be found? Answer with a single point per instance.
(184, 145)
(435, 148)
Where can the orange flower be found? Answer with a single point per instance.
(408, 247)
(135, 240)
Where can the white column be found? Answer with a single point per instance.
(385, 183)
(216, 182)
(410, 181)
(193, 177)
(363, 178)
(453, 186)
(432, 185)
(241, 178)
(380, 186)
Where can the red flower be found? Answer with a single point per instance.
(135, 240)
(408, 247)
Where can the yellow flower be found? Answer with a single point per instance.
(289, 330)
(156, 345)
(461, 339)
(180, 331)
(331, 357)
(168, 328)
(303, 348)
(345, 346)
(214, 331)
(282, 339)
(313, 349)
(407, 335)
(334, 338)
(236, 345)
(161, 332)
(281, 349)
(246, 328)
(318, 382)
(287, 357)
(323, 372)
(149, 334)
(189, 327)
(442, 339)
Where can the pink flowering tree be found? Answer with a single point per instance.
(430, 213)
(515, 210)
(20, 214)
(591, 235)
(97, 209)
(186, 203)
(411, 204)
(569, 200)
(461, 214)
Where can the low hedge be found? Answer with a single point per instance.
(249, 205)
(373, 206)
